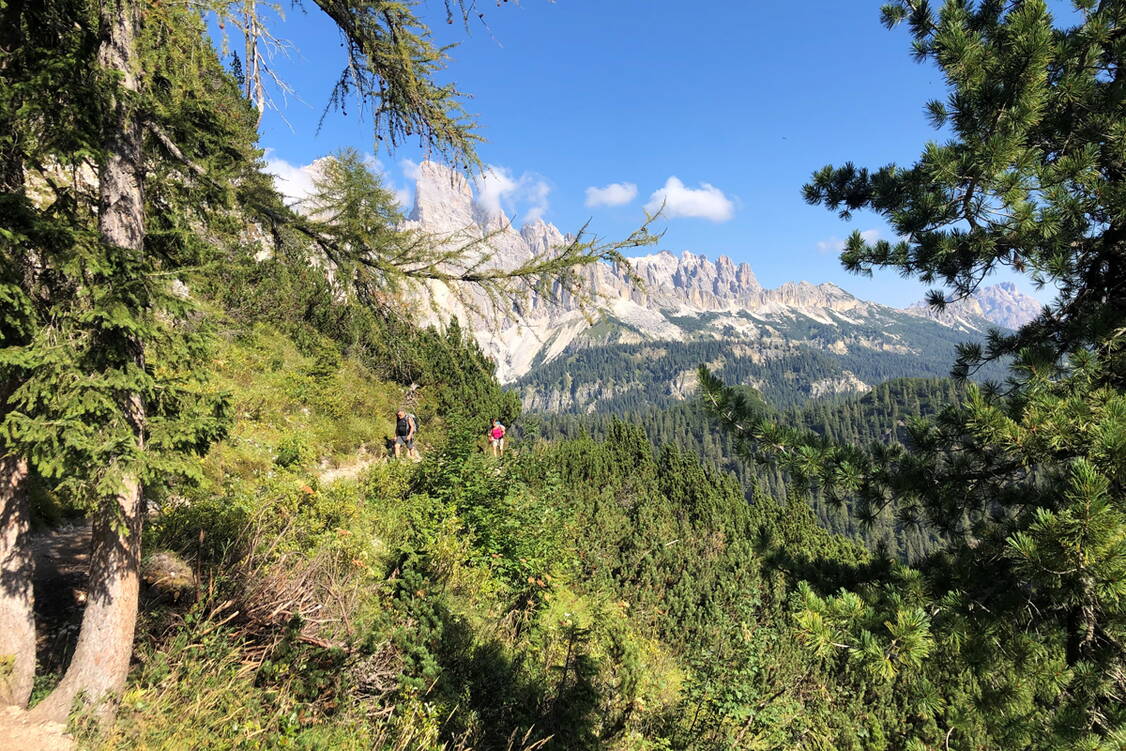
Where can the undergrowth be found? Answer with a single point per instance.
(578, 595)
(415, 606)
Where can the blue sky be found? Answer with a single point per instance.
(728, 106)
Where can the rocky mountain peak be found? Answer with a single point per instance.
(443, 199)
(1006, 305)
(697, 275)
(541, 236)
(1002, 304)
(491, 218)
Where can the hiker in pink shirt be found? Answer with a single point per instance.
(496, 438)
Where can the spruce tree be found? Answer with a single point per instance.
(103, 393)
(37, 64)
(128, 160)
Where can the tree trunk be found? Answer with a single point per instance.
(17, 603)
(1082, 626)
(17, 616)
(100, 664)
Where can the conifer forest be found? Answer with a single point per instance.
(206, 538)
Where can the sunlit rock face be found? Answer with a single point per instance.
(1002, 304)
(662, 297)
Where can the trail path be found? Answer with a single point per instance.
(62, 557)
(18, 733)
(349, 471)
(361, 461)
(62, 562)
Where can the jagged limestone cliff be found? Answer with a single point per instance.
(570, 355)
(1002, 304)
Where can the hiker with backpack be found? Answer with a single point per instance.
(406, 426)
(496, 438)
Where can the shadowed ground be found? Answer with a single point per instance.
(62, 559)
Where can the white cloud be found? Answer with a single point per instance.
(835, 245)
(493, 184)
(296, 182)
(499, 191)
(614, 194)
(376, 166)
(404, 198)
(410, 168)
(292, 181)
(537, 192)
(705, 202)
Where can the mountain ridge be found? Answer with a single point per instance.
(1003, 304)
(681, 299)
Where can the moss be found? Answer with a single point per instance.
(168, 575)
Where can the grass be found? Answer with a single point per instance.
(298, 410)
(430, 606)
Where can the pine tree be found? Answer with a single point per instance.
(104, 396)
(1030, 179)
(1028, 484)
(30, 235)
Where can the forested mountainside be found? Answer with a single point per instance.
(881, 415)
(617, 378)
(207, 544)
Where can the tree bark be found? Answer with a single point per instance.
(17, 615)
(100, 664)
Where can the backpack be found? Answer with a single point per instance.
(411, 419)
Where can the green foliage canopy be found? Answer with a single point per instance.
(1030, 177)
(1028, 484)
